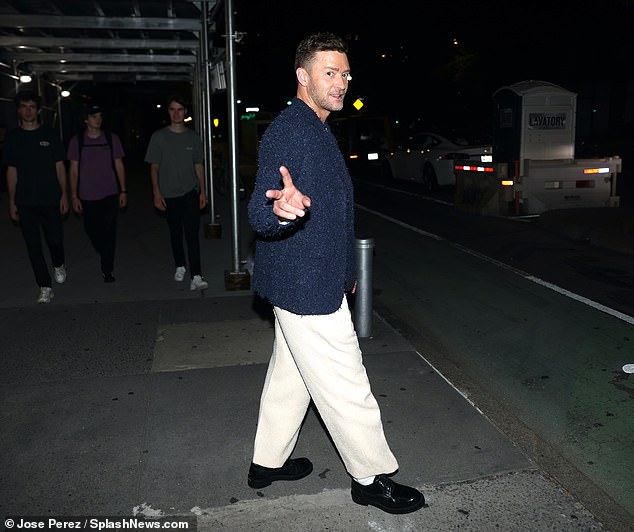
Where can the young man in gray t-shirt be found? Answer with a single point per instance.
(175, 155)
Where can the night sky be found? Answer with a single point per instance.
(404, 60)
(405, 64)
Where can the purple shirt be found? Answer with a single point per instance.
(97, 177)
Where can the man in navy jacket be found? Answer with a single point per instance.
(304, 266)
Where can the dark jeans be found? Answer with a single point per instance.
(48, 218)
(183, 217)
(100, 223)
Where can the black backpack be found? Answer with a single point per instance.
(81, 145)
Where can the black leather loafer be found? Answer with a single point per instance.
(293, 469)
(388, 496)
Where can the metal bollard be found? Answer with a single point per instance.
(364, 248)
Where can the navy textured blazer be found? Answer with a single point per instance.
(305, 266)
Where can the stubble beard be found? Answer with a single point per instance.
(332, 105)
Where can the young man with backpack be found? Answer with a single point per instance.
(98, 185)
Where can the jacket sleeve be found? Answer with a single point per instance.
(273, 153)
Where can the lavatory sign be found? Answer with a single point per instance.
(547, 120)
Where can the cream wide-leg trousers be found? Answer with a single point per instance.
(318, 356)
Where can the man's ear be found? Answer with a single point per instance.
(302, 76)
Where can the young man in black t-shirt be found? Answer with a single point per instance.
(36, 183)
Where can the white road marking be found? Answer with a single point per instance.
(598, 306)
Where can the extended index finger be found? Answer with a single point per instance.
(286, 177)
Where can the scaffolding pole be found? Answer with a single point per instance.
(212, 229)
(235, 279)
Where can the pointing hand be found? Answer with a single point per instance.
(289, 202)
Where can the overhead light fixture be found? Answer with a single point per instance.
(25, 78)
(65, 93)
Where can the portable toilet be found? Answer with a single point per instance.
(533, 120)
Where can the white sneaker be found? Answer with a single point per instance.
(46, 294)
(198, 283)
(60, 274)
(180, 274)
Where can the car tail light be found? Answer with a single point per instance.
(470, 168)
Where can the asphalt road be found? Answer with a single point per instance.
(533, 327)
(592, 272)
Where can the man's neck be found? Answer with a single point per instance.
(303, 95)
(30, 125)
(93, 132)
(177, 127)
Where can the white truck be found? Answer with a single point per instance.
(534, 167)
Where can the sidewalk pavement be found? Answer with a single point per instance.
(140, 398)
